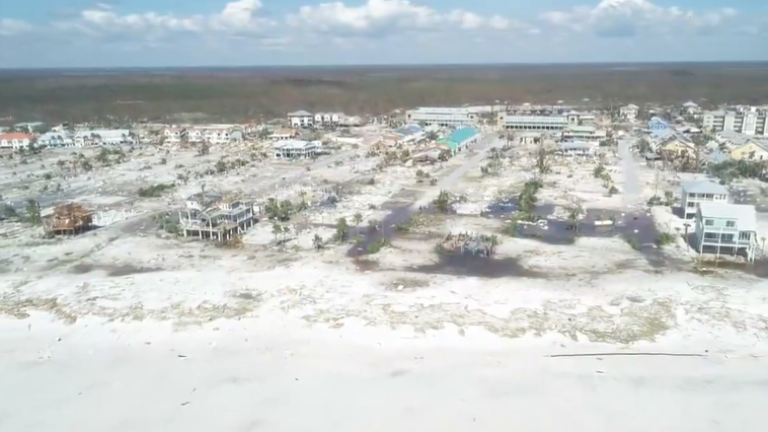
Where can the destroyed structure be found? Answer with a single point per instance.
(210, 215)
(69, 219)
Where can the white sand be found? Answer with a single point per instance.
(258, 375)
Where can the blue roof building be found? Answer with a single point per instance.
(460, 138)
(657, 124)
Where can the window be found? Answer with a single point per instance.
(726, 238)
(708, 196)
(710, 236)
(730, 224)
(709, 222)
(691, 205)
(692, 195)
(746, 235)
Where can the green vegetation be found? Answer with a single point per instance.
(665, 239)
(633, 243)
(342, 230)
(33, 212)
(155, 191)
(241, 95)
(730, 170)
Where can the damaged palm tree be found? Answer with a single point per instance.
(69, 219)
(470, 244)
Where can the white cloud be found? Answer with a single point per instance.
(381, 17)
(12, 27)
(237, 18)
(626, 18)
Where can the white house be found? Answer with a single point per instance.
(300, 118)
(296, 149)
(701, 191)
(174, 135)
(328, 118)
(15, 140)
(195, 135)
(94, 137)
(629, 112)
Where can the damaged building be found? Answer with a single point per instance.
(209, 215)
(68, 219)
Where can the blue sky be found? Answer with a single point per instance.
(146, 33)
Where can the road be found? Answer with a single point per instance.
(485, 145)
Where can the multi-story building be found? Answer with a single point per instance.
(296, 149)
(328, 118)
(532, 122)
(55, 139)
(751, 121)
(441, 116)
(696, 192)
(175, 135)
(729, 228)
(300, 118)
(554, 123)
(93, 137)
(588, 134)
(15, 140)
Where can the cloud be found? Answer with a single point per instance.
(12, 27)
(240, 17)
(383, 17)
(629, 18)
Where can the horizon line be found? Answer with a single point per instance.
(389, 65)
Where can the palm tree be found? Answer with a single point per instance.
(286, 231)
(342, 229)
(358, 219)
(317, 242)
(277, 230)
(443, 201)
(614, 220)
(373, 225)
(33, 212)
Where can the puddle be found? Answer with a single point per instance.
(387, 228)
(475, 266)
(112, 270)
(637, 228)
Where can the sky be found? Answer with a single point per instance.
(167, 33)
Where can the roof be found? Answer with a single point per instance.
(293, 144)
(744, 214)
(15, 136)
(463, 134)
(547, 120)
(717, 156)
(734, 137)
(442, 110)
(408, 130)
(703, 186)
(690, 104)
(299, 113)
(581, 128)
